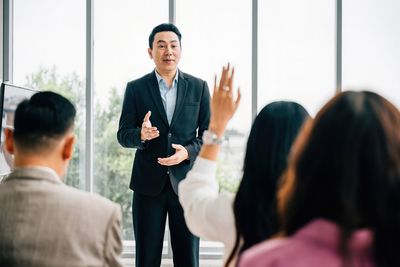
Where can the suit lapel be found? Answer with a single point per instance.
(182, 89)
(155, 94)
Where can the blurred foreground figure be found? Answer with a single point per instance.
(340, 202)
(43, 222)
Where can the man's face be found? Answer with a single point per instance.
(166, 52)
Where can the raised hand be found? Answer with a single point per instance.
(223, 104)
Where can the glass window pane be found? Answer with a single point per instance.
(213, 34)
(121, 34)
(49, 54)
(371, 42)
(208, 44)
(296, 52)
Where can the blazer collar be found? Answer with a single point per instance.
(182, 89)
(155, 93)
(35, 173)
(152, 74)
(159, 77)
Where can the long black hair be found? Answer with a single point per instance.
(345, 168)
(270, 139)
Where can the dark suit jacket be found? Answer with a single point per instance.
(190, 119)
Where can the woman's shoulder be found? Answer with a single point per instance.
(315, 244)
(263, 253)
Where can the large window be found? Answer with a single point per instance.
(371, 41)
(49, 54)
(296, 52)
(296, 60)
(120, 54)
(208, 44)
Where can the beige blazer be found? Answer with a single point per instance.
(44, 222)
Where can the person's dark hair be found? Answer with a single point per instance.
(270, 139)
(165, 27)
(45, 116)
(346, 169)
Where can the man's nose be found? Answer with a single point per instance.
(168, 51)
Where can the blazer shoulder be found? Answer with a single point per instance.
(89, 200)
(194, 82)
(190, 77)
(141, 80)
(137, 85)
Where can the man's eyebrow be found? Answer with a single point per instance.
(162, 41)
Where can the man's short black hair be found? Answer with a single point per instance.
(165, 27)
(45, 116)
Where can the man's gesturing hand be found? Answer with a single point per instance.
(180, 155)
(148, 132)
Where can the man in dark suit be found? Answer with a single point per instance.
(164, 115)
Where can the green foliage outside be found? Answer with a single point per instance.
(72, 87)
(112, 163)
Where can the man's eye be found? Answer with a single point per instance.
(161, 46)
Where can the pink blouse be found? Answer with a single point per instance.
(313, 245)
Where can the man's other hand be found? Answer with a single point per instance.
(180, 155)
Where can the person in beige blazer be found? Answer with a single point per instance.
(44, 222)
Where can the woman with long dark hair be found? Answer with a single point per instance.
(340, 202)
(251, 216)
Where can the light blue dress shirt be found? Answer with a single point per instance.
(168, 95)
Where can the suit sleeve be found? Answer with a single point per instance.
(113, 241)
(128, 134)
(204, 119)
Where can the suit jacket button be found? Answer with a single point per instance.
(167, 172)
(169, 135)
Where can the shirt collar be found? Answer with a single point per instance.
(42, 168)
(34, 172)
(159, 77)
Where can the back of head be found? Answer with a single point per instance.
(272, 134)
(42, 120)
(165, 27)
(346, 168)
(271, 137)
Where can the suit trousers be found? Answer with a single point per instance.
(149, 218)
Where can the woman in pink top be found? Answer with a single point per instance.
(340, 201)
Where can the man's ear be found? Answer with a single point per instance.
(68, 148)
(9, 140)
(149, 50)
